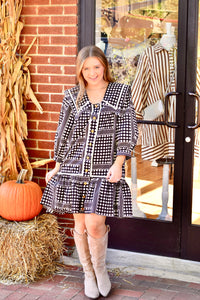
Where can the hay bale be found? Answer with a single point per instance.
(29, 250)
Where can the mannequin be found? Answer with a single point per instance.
(156, 76)
(152, 81)
(168, 40)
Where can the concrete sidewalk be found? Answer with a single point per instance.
(133, 276)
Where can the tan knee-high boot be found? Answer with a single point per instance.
(90, 284)
(98, 249)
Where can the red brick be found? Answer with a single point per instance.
(70, 10)
(36, 20)
(34, 88)
(70, 50)
(16, 296)
(44, 40)
(31, 115)
(5, 293)
(57, 98)
(50, 50)
(50, 88)
(70, 70)
(62, 79)
(49, 69)
(52, 107)
(39, 172)
(64, 2)
(186, 296)
(62, 60)
(42, 97)
(37, 2)
(50, 30)
(39, 135)
(36, 59)
(29, 30)
(39, 78)
(42, 182)
(55, 117)
(72, 61)
(31, 124)
(69, 294)
(47, 126)
(50, 10)
(71, 30)
(64, 20)
(45, 145)
(63, 40)
(30, 143)
(29, 10)
(32, 68)
(27, 40)
(31, 51)
(38, 153)
(129, 293)
(71, 80)
(31, 106)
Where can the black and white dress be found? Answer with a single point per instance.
(87, 141)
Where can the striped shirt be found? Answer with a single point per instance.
(155, 77)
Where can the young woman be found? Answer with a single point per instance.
(97, 131)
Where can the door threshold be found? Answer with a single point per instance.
(147, 265)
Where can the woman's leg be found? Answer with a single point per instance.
(81, 241)
(79, 223)
(95, 225)
(98, 240)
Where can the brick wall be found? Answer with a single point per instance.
(53, 56)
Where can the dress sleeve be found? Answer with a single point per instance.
(140, 85)
(126, 126)
(65, 124)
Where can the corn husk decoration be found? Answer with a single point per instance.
(15, 89)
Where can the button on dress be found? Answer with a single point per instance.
(87, 141)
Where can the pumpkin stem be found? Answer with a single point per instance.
(21, 176)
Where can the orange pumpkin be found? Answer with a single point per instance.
(20, 200)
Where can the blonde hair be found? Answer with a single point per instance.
(84, 53)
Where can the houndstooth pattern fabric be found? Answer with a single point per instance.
(87, 141)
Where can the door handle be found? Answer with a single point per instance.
(169, 124)
(198, 111)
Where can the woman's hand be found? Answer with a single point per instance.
(51, 173)
(115, 172)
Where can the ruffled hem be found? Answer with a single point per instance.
(70, 194)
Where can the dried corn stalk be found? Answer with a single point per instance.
(15, 89)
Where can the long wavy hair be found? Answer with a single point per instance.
(84, 53)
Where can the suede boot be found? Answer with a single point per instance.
(90, 284)
(98, 249)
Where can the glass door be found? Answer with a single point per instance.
(152, 46)
(139, 39)
(191, 175)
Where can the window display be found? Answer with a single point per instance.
(139, 39)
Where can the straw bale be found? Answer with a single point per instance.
(29, 250)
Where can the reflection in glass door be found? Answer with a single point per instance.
(139, 39)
